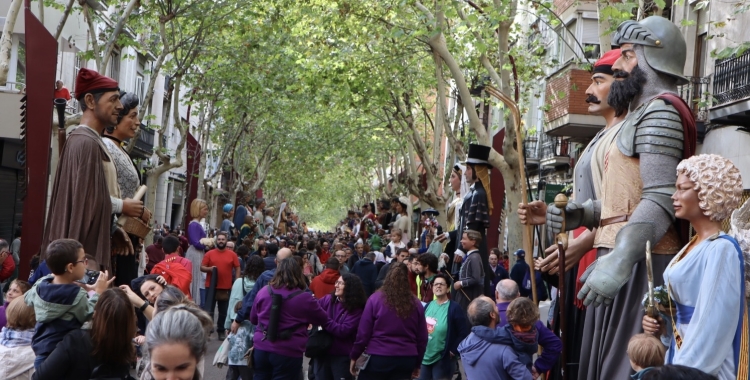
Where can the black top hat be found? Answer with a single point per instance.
(478, 154)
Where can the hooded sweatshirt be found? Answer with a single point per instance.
(240, 288)
(324, 283)
(59, 309)
(483, 359)
(297, 312)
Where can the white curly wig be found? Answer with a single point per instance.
(717, 181)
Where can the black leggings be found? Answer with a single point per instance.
(389, 367)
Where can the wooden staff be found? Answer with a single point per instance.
(527, 229)
(562, 244)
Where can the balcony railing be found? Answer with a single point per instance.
(554, 151)
(732, 78)
(696, 95)
(530, 148)
(144, 145)
(72, 106)
(554, 147)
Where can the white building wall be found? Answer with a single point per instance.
(732, 144)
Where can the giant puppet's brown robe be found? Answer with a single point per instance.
(80, 207)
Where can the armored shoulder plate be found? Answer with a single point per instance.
(655, 128)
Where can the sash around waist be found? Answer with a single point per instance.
(684, 313)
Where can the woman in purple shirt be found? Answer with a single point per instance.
(344, 307)
(392, 331)
(196, 251)
(279, 356)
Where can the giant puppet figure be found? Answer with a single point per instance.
(706, 279)
(475, 215)
(586, 185)
(637, 181)
(85, 192)
(453, 210)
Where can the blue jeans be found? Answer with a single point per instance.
(270, 366)
(440, 370)
(203, 298)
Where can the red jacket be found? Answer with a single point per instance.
(324, 256)
(324, 283)
(8, 267)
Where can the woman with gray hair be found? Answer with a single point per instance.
(175, 344)
(705, 280)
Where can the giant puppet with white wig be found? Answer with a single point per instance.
(705, 281)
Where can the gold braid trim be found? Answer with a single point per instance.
(483, 173)
(744, 360)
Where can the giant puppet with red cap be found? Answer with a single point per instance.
(587, 182)
(85, 195)
(637, 183)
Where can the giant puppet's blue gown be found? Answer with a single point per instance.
(707, 284)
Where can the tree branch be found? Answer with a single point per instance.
(64, 19)
(110, 46)
(87, 14)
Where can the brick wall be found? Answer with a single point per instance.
(560, 6)
(566, 93)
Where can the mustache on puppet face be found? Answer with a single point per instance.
(593, 99)
(621, 74)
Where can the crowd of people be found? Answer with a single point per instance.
(392, 293)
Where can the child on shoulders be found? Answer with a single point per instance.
(60, 300)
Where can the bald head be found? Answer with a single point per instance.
(483, 312)
(506, 291)
(283, 254)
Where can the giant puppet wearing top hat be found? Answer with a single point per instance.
(475, 215)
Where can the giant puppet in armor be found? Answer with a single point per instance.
(637, 181)
(475, 214)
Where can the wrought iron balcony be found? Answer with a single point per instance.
(144, 145)
(696, 95)
(554, 152)
(732, 90)
(732, 78)
(530, 150)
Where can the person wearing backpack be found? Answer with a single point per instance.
(242, 340)
(281, 313)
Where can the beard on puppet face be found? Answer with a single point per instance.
(623, 92)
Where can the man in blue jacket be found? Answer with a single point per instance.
(505, 292)
(366, 270)
(484, 358)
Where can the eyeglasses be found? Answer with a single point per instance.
(84, 261)
(439, 284)
(339, 283)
